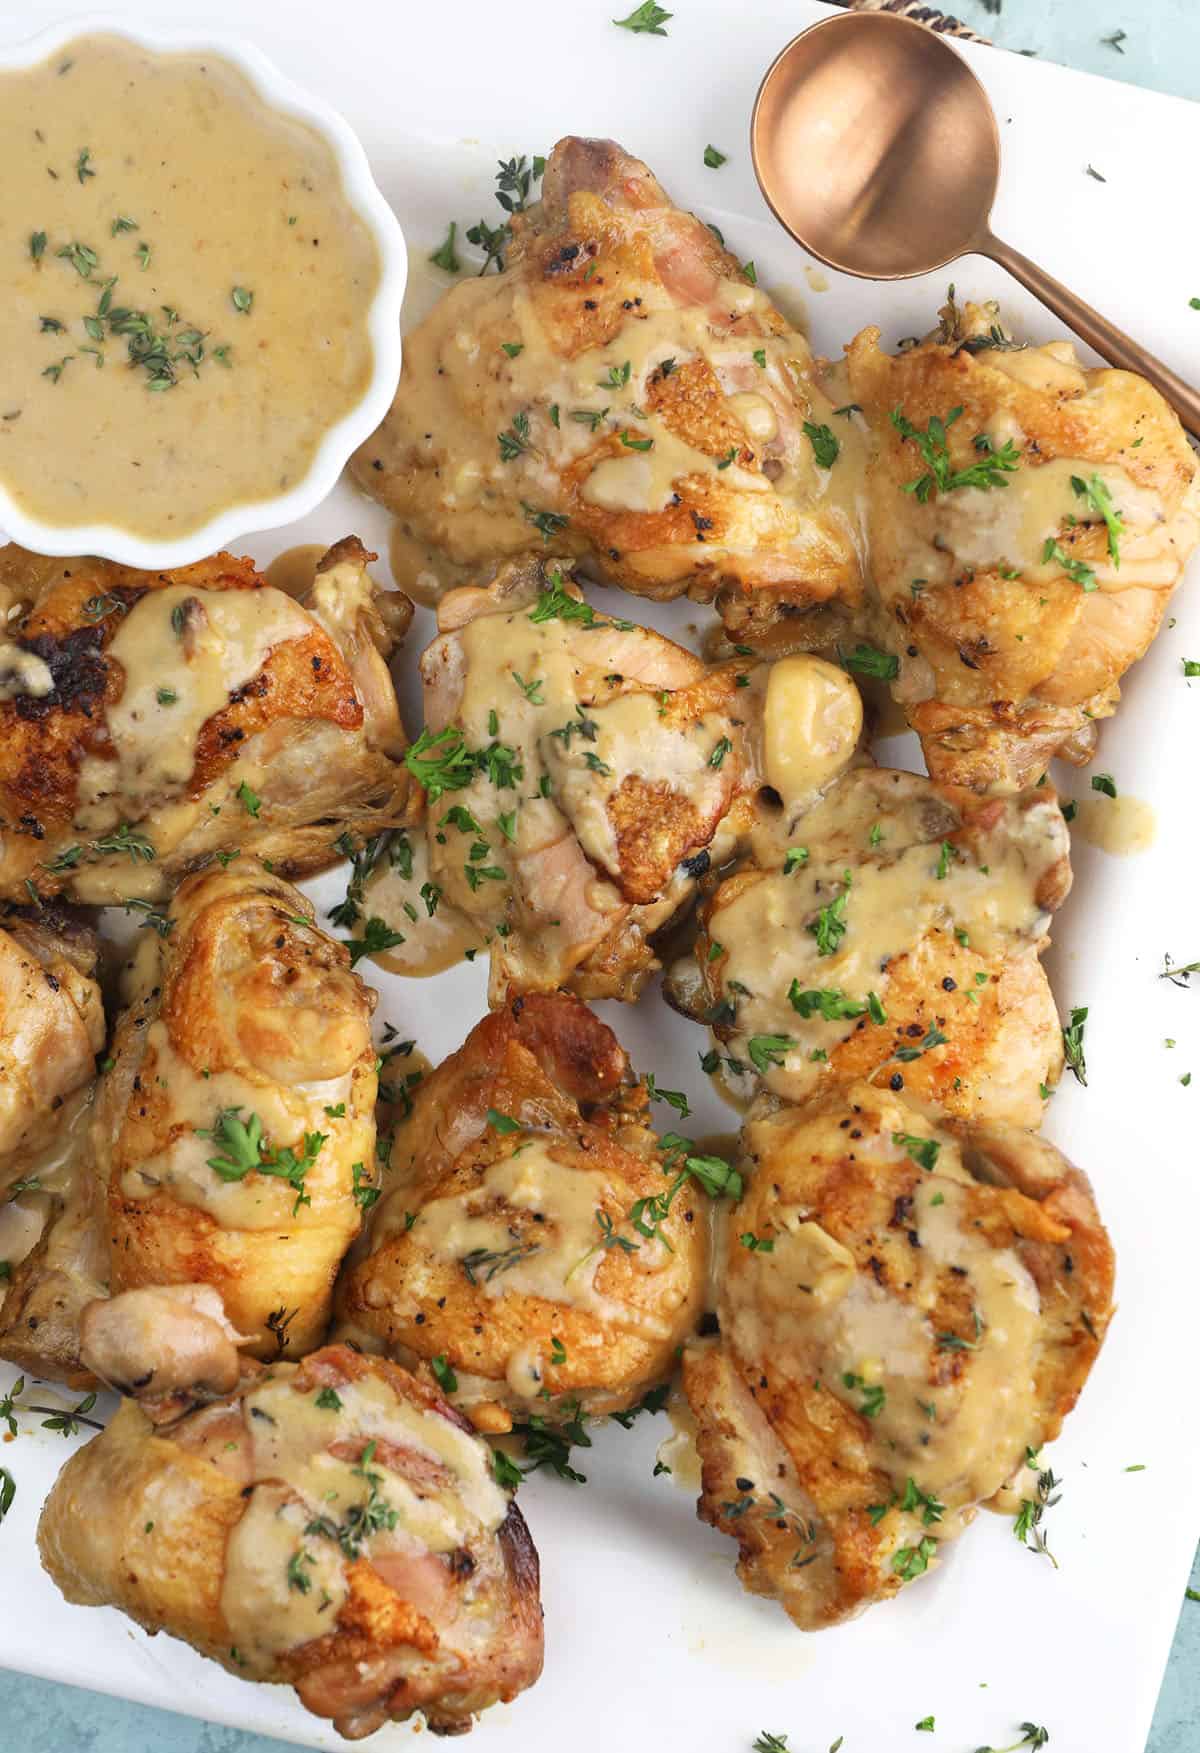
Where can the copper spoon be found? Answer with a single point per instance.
(877, 148)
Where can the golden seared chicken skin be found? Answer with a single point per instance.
(1028, 518)
(626, 385)
(51, 1029)
(235, 1130)
(332, 1525)
(151, 720)
(895, 936)
(877, 925)
(906, 1315)
(518, 1240)
(580, 774)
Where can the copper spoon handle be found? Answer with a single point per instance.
(1108, 340)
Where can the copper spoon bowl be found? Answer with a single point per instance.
(877, 148)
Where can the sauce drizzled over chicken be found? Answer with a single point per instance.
(893, 934)
(627, 383)
(153, 721)
(333, 1525)
(877, 925)
(504, 1244)
(1029, 518)
(906, 1313)
(579, 772)
(235, 1130)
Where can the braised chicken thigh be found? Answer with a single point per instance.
(892, 933)
(1029, 518)
(52, 1244)
(592, 766)
(235, 1131)
(626, 385)
(524, 1239)
(51, 1029)
(150, 720)
(333, 1525)
(906, 1316)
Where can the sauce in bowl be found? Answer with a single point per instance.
(185, 290)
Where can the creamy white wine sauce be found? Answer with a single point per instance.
(186, 289)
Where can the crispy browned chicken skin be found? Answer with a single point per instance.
(149, 720)
(51, 1029)
(246, 1021)
(623, 374)
(332, 1525)
(492, 1246)
(919, 1312)
(891, 932)
(1015, 608)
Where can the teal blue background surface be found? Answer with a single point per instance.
(1160, 49)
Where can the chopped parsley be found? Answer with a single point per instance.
(768, 1050)
(874, 1397)
(673, 1098)
(825, 445)
(868, 660)
(363, 1191)
(829, 926)
(377, 936)
(757, 1244)
(912, 1561)
(1100, 500)
(828, 1002)
(243, 1149)
(989, 471)
(445, 1377)
(923, 1151)
(933, 1038)
(645, 20)
(441, 762)
(1076, 570)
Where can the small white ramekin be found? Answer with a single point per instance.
(382, 320)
